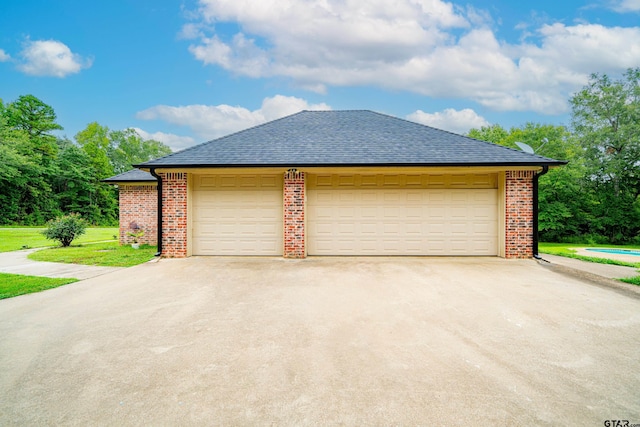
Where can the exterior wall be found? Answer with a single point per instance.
(294, 214)
(138, 206)
(174, 214)
(519, 214)
(517, 208)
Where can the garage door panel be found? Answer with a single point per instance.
(409, 221)
(237, 215)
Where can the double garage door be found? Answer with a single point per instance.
(350, 215)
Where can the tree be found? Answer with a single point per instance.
(94, 140)
(606, 119)
(24, 189)
(561, 213)
(128, 148)
(37, 119)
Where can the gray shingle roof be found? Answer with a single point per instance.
(134, 175)
(346, 138)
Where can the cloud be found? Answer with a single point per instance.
(176, 142)
(4, 56)
(51, 58)
(213, 121)
(624, 6)
(456, 121)
(429, 47)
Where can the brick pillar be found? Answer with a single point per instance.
(174, 214)
(139, 205)
(519, 214)
(294, 227)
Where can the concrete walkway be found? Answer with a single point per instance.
(16, 262)
(601, 274)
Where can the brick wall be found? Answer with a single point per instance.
(294, 229)
(138, 206)
(519, 214)
(174, 214)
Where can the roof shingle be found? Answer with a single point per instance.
(134, 175)
(346, 138)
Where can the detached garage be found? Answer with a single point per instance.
(346, 183)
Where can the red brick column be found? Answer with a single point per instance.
(294, 227)
(174, 214)
(519, 214)
(138, 207)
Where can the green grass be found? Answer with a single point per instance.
(13, 239)
(108, 254)
(12, 285)
(568, 250)
(632, 280)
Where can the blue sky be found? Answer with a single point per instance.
(188, 71)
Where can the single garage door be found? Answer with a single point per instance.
(403, 215)
(237, 215)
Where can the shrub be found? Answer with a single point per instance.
(65, 229)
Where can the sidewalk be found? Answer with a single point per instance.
(602, 274)
(16, 262)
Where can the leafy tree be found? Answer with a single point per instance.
(561, 214)
(606, 120)
(114, 152)
(37, 119)
(94, 140)
(128, 148)
(24, 190)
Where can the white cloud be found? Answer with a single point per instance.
(624, 6)
(456, 121)
(51, 58)
(430, 47)
(4, 56)
(213, 121)
(176, 142)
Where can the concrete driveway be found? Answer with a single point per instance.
(351, 341)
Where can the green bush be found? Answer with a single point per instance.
(65, 229)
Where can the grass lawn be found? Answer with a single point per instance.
(568, 250)
(109, 254)
(12, 285)
(13, 239)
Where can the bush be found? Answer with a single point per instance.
(65, 229)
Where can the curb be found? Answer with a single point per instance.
(596, 279)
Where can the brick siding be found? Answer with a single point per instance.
(519, 214)
(174, 214)
(294, 228)
(138, 206)
(138, 203)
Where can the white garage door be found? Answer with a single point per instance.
(402, 215)
(237, 215)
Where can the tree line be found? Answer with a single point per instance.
(595, 197)
(43, 176)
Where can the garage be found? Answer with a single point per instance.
(237, 214)
(344, 183)
(402, 214)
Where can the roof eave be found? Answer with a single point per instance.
(346, 165)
